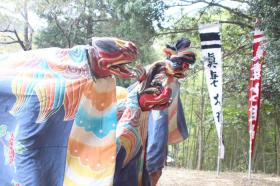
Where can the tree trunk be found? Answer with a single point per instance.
(235, 149)
(200, 141)
(89, 26)
(176, 154)
(190, 151)
(263, 151)
(277, 140)
(194, 156)
(27, 29)
(190, 145)
(182, 161)
(187, 152)
(263, 157)
(184, 143)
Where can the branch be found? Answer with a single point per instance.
(184, 30)
(19, 40)
(234, 11)
(237, 23)
(10, 37)
(8, 42)
(242, 47)
(201, 13)
(100, 20)
(213, 3)
(242, 1)
(189, 4)
(61, 29)
(198, 114)
(177, 5)
(177, 31)
(7, 30)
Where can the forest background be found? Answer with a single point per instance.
(27, 25)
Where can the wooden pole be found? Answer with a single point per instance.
(250, 157)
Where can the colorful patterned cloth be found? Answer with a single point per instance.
(159, 127)
(92, 148)
(39, 94)
(154, 130)
(130, 137)
(42, 93)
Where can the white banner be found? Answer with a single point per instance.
(212, 58)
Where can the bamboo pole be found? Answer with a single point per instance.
(220, 144)
(199, 160)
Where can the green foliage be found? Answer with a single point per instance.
(75, 22)
(269, 12)
(70, 22)
(137, 18)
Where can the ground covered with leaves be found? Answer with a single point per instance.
(184, 177)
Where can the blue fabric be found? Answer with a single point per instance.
(128, 175)
(157, 140)
(158, 136)
(32, 151)
(44, 144)
(182, 125)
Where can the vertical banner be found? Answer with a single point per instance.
(254, 89)
(212, 57)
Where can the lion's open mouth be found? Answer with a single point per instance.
(122, 70)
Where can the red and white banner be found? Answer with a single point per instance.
(254, 91)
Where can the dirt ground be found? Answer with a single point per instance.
(183, 177)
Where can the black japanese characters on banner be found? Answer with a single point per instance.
(211, 52)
